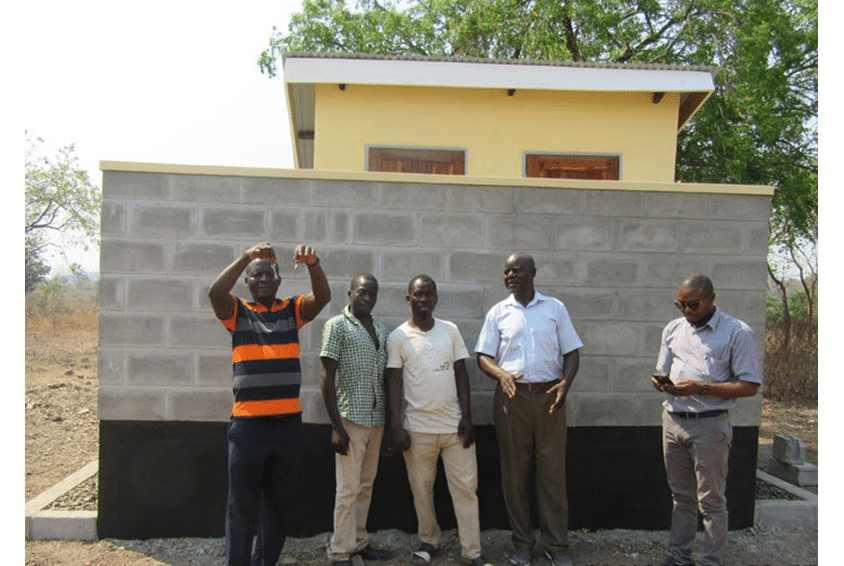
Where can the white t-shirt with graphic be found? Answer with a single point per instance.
(427, 363)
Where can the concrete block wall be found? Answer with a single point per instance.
(613, 252)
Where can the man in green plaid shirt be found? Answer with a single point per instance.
(354, 356)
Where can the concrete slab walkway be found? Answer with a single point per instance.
(42, 524)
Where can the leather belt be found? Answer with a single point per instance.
(700, 415)
(536, 387)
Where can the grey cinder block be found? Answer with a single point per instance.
(789, 449)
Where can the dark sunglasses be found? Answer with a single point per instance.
(687, 305)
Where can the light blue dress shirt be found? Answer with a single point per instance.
(529, 339)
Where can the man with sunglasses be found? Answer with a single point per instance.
(710, 360)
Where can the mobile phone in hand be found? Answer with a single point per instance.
(662, 377)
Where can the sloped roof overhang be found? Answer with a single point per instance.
(302, 71)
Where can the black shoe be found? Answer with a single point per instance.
(371, 553)
(669, 561)
(341, 563)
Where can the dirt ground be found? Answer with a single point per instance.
(62, 436)
(62, 432)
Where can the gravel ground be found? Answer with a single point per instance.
(748, 547)
(84, 496)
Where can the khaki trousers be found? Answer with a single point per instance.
(523, 429)
(696, 453)
(355, 473)
(461, 472)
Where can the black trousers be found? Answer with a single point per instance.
(264, 458)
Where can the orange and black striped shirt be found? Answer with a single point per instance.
(265, 357)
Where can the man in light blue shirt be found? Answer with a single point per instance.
(707, 359)
(528, 344)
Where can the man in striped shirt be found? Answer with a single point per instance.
(265, 429)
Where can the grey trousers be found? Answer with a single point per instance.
(696, 452)
(524, 428)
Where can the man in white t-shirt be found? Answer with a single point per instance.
(426, 369)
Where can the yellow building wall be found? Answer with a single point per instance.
(496, 129)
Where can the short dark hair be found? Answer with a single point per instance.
(700, 282)
(362, 277)
(424, 278)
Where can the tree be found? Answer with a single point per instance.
(35, 270)
(62, 206)
(758, 127)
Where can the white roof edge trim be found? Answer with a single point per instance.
(486, 75)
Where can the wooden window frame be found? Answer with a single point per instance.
(593, 166)
(418, 160)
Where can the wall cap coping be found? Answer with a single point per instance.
(376, 177)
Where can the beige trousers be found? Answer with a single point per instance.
(461, 472)
(355, 473)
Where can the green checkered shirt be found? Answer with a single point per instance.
(360, 367)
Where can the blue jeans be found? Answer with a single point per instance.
(264, 457)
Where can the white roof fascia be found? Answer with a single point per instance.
(490, 75)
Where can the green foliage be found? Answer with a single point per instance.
(50, 294)
(60, 195)
(758, 127)
(773, 308)
(760, 124)
(35, 270)
(62, 206)
(798, 307)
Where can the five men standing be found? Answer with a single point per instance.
(528, 344)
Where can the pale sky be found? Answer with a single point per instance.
(161, 81)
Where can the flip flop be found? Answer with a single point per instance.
(423, 555)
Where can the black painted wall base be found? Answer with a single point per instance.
(168, 479)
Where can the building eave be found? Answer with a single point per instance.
(302, 71)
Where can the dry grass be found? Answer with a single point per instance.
(59, 309)
(791, 362)
(81, 318)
